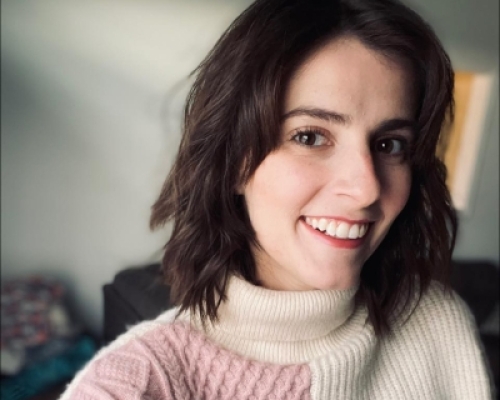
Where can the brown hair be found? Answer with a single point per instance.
(232, 117)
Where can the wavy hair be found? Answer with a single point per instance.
(231, 123)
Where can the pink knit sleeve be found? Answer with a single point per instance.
(175, 362)
(130, 372)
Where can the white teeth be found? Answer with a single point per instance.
(362, 230)
(323, 223)
(331, 228)
(353, 232)
(342, 231)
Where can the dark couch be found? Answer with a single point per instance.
(137, 294)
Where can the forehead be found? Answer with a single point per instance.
(346, 76)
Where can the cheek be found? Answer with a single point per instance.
(399, 191)
(279, 185)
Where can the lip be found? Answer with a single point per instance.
(342, 219)
(336, 242)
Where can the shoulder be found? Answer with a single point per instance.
(170, 359)
(439, 316)
(126, 368)
(140, 331)
(441, 308)
(441, 333)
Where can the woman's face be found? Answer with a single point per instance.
(323, 201)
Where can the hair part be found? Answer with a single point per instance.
(231, 123)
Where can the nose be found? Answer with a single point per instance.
(358, 178)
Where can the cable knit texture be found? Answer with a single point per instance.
(293, 345)
(174, 362)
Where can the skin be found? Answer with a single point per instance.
(348, 121)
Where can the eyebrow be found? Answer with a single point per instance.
(396, 124)
(344, 119)
(320, 113)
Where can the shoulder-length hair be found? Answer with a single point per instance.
(232, 122)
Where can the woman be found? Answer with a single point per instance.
(312, 228)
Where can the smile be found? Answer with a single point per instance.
(338, 229)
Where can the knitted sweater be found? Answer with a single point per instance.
(293, 345)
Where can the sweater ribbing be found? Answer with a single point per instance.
(278, 326)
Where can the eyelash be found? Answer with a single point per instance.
(309, 131)
(404, 143)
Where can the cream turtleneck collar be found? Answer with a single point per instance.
(279, 326)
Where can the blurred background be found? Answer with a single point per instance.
(91, 102)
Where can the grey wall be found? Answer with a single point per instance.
(91, 100)
(91, 97)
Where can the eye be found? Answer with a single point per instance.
(391, 146)
(310, 138)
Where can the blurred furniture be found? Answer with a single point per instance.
(42, 347)
(53, 394)
(137, 294)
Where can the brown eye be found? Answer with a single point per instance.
(391, 146)
(310, 138)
